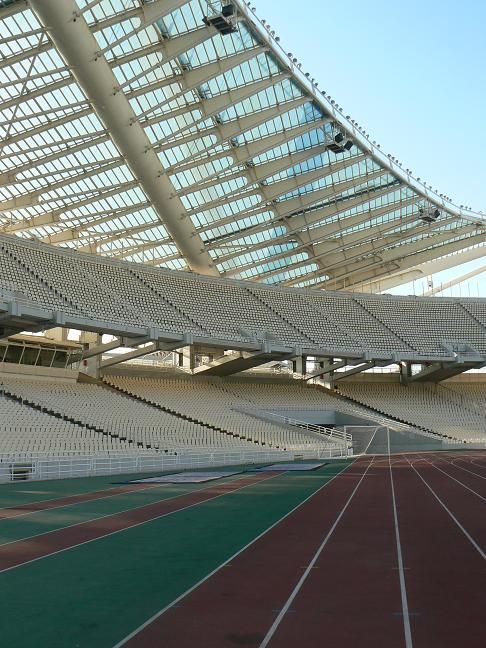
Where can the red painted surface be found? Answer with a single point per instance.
(462, 469)
(237, 605)
(445, 575)
(352, 595)
(34, 507)
(22, 551)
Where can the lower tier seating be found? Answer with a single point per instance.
(219, 404)
(60, 417)
(425, 405)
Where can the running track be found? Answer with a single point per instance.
(390, 553)
(20, 552)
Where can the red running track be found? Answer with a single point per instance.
(20, 552)
(59, 502)
(461, 468)
(237, 605)
(352, 597)
(446, 576)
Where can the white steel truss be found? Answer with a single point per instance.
(134, 128)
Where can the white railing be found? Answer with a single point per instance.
(338, 436)
(364, 411)
(15, 466)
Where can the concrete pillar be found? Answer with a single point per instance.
(405, 372)
(59, 334)
(91, 366)
(299, 365)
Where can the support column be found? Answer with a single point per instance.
(405, 372)
(299, 366)
(91, 366)
(187, 358)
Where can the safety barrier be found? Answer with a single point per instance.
(15, 467)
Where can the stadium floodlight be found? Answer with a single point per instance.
(223, 21)
(429, 213)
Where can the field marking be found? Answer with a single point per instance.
(471, 490)
(475, 463)
(456, 465)
(87, 501)
(53, 499)
(173, 603)
(298, 587)
(102, 517)
(453, 517)
(132, 526)
(403, 588)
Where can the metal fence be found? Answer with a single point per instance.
(15, 467)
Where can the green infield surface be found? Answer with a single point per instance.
(85, 562)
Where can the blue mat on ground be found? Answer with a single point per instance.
(186, 477)
(291, 466)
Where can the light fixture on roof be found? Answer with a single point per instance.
(340, 141)
(224, 21)
(429, 213)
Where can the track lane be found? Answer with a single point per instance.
(237, 604)
(22, 510)
(469, 466)
(467, 504)
(22, 552)
(352, 596)
(445, 575)
(471, 482)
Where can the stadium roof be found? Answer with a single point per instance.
(180, 134)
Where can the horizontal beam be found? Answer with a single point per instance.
(137, 353)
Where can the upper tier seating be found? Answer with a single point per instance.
(426, 323)
(221, 309)
(128, 294)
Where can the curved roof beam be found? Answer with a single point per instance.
(400, 258)
(360, 138)
(424, 270)
(71, 34)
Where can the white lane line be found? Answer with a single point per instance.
(475, 463)
(132, 526)
(453, 517)
(403, 587)
(107, 515)
(52, 499)
(174, 603)
(306, 573)
(471, 472)
(458, 481)
(88, 501)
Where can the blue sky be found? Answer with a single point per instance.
(412, 74)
